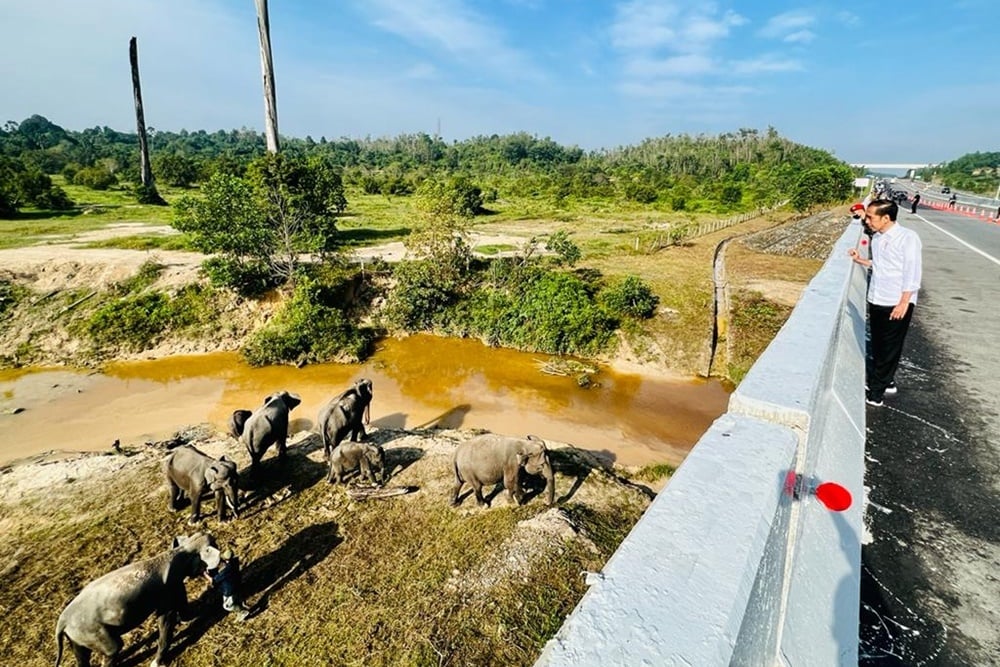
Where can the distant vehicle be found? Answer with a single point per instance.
(899, 196)
(946, 190)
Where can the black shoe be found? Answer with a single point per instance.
(873, 401)
(891, 389)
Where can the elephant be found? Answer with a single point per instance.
(238, 421)
(191, 472)
(110, 606)
(486, 459)
(352, 455)
(345, 414)
(269, 425)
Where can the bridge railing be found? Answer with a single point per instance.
(726, 567)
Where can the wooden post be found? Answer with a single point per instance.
(267, 68)
(149, 195)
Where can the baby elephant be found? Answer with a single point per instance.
(486, 459)
(191, 472)
(350, 455)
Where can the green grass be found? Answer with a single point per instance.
(494, 249)
(139, 242)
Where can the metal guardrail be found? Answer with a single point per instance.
(727, 566)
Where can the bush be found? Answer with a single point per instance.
(630, 297)
(553, 312)
(95, 178)
(247, 278)
(424, 292)
(138, 321)
(308, 330)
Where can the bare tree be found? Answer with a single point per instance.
(148, 194)
(267, 67)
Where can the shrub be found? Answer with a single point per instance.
(567, 252)
(630, 297)
(553, 312)
(247, 278)
(308, 330)
(137, 321)
(424, 291)
(95, 178)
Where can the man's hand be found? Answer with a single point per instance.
(899, 312)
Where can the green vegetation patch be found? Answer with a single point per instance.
(144, 242)
(136, 322)
(309, 328)
(754, 323)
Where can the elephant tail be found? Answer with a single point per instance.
(60, 633)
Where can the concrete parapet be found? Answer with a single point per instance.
(724, 568)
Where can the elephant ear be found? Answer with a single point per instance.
(210, 557)
(212, 474)
(291, 400)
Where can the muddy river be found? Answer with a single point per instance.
(420, 381)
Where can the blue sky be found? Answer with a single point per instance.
(913, 81)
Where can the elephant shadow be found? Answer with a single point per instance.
(578, 464)
(453, 418)
(296, 473)
(398, 459)
(397, 420)
(263, 578)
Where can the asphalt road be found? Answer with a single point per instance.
(930, 587)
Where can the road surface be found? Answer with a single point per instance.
(931, 574)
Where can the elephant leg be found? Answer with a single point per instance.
(282, 447)
(477, 488)
(195, 507)
(175, 495)
(510, 482)
(457, 489)
(166, 622)
(366, 470)
(103, 640)
(82, 654)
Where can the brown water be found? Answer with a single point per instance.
(418, 381)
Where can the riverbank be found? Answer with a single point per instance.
(335, 580)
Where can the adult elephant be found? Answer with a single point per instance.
(111, 605)
(268, 425)
(345, 415)
(489, 458)
(191, 472)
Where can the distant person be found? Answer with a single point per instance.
(916, 200)
(227, 577)
(892, 294)
(951, 202)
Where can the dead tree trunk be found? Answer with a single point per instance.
(147, 192)
(267, 67)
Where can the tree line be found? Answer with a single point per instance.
(723, 174)
(973, 172)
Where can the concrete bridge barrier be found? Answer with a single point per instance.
(735, 563)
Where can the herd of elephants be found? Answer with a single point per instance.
(120, 601)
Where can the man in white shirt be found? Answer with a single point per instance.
(892, 293)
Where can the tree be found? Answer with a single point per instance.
(283, 208)
(176, 169)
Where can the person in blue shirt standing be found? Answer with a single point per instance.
(896, 265)
(227, 578)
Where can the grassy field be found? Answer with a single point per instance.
(403, 581)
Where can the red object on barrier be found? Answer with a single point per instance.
(833, 496)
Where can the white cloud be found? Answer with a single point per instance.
(787, 23)
(763, 64)
(675, 66)
(800, 37)
(454, 28)
(681, 27)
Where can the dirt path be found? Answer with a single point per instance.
(64, 263)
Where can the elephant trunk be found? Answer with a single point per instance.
(368, 412)
(233, 500)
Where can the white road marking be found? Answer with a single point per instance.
(965, 243)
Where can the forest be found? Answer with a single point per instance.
(726, 173)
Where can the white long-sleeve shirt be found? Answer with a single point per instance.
(896, 266)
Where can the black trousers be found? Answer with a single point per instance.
(887, 346)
